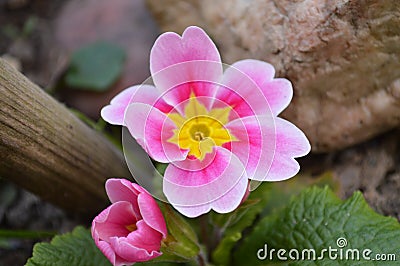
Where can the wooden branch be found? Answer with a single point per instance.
(45, 149)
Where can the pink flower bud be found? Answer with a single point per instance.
(132, 228)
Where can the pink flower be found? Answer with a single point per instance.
(132, 228)
(216, 129)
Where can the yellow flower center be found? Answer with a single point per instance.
(199, 130)
(131, 227)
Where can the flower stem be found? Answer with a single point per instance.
(201, 260)
(204, 229)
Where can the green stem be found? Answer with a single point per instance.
(204, 231)
(200, 260)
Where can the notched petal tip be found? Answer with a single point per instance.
(170, 48)
(122, 190)
(259, 71)
(291, 143)
(291, 139)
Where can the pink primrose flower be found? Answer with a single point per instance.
(217, 129)
(132, 228)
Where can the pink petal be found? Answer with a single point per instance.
(228, 202)
(128, 252)
(175, 60)
(114, 113)
(243, 87)
(142, 202)
(193, 211)
(107, 250)
(152, 129)
(290, 143)
(258, 71)
(180, 92)
(150, 95)
(220, 185)
(151, 213)
(170, 49)
(255, 145)
(145, 237)
(125, 96)
(197, 173)
(112, 221)
(123, 190)
(278, 92)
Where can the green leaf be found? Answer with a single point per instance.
(316, 219)
(267, 197)
(181, 244)
(232, 224)
(224, 221)
(76, 248)
(280, 193)
(161, 167)
(95, 67)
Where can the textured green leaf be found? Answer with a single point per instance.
(95, 67)
(316, 219)
(76, 248)
(280, 193)
(261, 202)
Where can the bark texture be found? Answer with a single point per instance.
(45, 149)
(341, 55)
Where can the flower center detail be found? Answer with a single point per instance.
(199, 130)
(131, 227)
